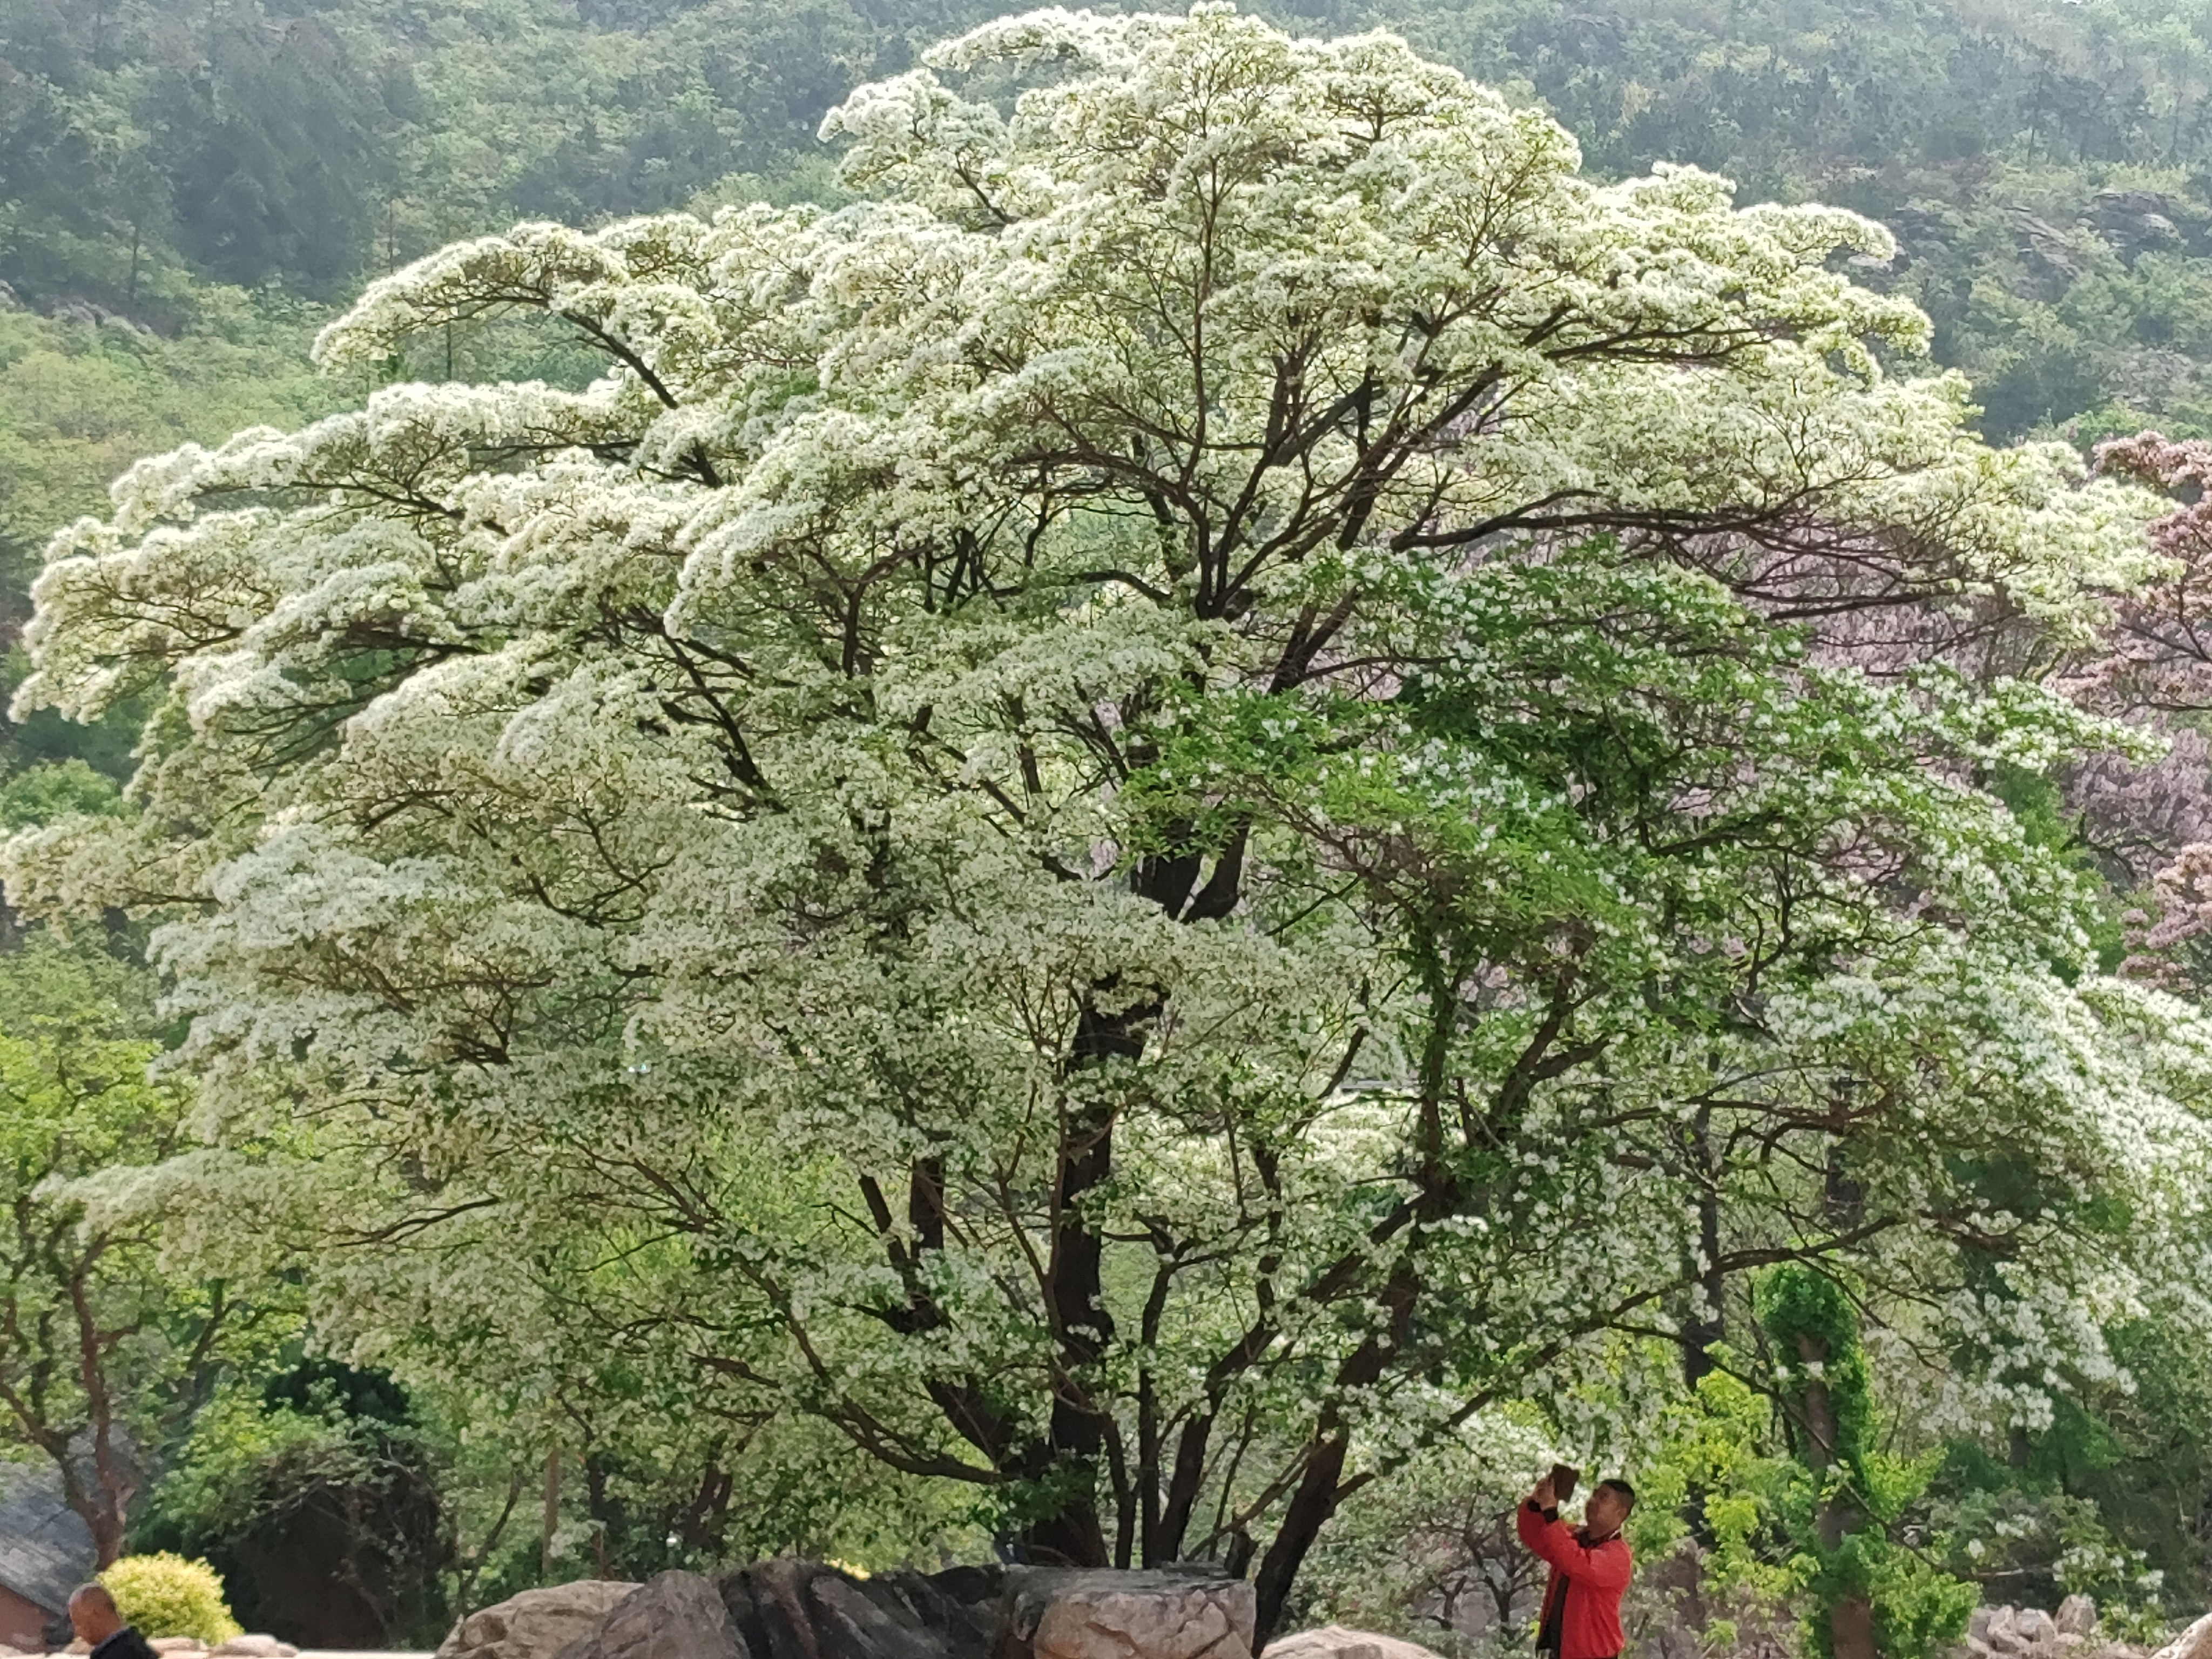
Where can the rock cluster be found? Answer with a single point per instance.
(2031, 1633)
(788, 1609)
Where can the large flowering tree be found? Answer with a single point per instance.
(1146, 819)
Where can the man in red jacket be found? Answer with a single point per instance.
(1589, 1569)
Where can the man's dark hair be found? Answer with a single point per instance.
(1627, 1493)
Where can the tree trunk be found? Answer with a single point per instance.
(107, 1521)
(1850, 1628)
(549, 1516)
(107, 1505)
(1310, 1507)
(1850, 1619)
(1073, 1535)
(1700, 1332)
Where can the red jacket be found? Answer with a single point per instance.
(1587, 1580)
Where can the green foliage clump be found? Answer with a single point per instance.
(1815, 1331)
(1713, 1465)
(320, 1472)
(165, 1595)
(56, 789)
(1918, 1609)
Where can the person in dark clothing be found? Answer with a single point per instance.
(97, 1621)
(1590, 1567)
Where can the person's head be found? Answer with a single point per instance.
(93, 1614)
(1609, 1503)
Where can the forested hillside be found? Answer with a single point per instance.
(191, 191)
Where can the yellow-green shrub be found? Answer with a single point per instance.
(165, 1595)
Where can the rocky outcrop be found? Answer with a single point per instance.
(1335, 1642)
(535, 1624)
(2042, 243)
(2134, 223)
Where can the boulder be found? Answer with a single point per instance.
(2037, 1629)
(252, 1646)
(1335, 1642)
(1072, 1614)
(535, 1624)
(2076, 1616)
(2194, 1643)
(673, 1615)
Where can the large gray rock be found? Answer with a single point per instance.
(2194, 1643)
(673, 1615)
(1130, 1615)
(535, 1624)
(2076, 1616)
(1335, 1642)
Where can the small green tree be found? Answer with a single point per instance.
(1869, 1595)
(101, 1350)
(1713, 1473)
